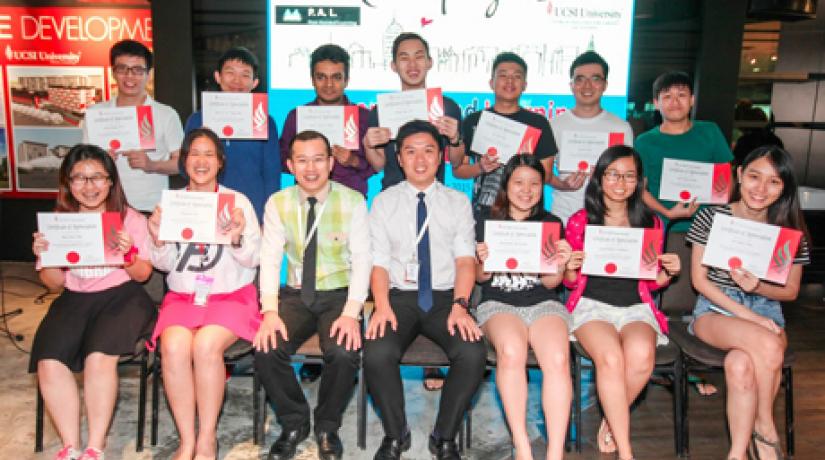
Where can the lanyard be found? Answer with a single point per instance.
(314, 227)
(420, 235)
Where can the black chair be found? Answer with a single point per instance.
(701, 357)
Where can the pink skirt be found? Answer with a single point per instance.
(237, 311)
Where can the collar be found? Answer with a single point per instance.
(321, 196)
(147, 101)
(414, 191)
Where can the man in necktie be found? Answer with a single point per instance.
(321, 227)
(423, 237)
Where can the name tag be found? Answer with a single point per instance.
(411, 272)
(203, 285)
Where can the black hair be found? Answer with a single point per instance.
(589, 57)
(408, 36)
(751, 140)
(501, 206)
(187, 145)
(239, 53)
(130, 48)
(66, 202)
(414, 127)
(785, 211)
(309, 135)
(638, 213)
(670, 79)
(508, 56)
(329, 52)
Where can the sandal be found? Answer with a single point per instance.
(753, 451)
(702, 387)
(605, 439)
(433, 379)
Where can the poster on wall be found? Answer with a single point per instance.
(54, 60)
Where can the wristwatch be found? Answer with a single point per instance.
(463, 302)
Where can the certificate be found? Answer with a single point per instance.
(236, 115)
(521, 247)
(395, 109)
(195, 217)
(338, 123)
(498, 135)
(707, 183)
(121, 128)
(765, 250)
(581, 149)
(80, 239)
(623, 252)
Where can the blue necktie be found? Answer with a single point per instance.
(425, 285)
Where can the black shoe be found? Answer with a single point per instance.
(391, 449)
(444, 449)
(329, 445)
(310, 372)
(284, 447)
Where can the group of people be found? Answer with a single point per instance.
(419, 250)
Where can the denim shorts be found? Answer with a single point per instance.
(756, 303)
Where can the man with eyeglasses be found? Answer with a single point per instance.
(143, 173)
(581, 127)
(253, 167)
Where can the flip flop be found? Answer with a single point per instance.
(753, 450)
(702, 387)
(605, 438)
(431, 375)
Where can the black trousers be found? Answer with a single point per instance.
(275, 370)
(383, 355)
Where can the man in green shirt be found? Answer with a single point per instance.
(679, 138)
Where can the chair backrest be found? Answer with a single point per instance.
(679, 298)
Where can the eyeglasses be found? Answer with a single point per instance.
(594, 80)
(122, 69)
(80, 180)
(614, 176)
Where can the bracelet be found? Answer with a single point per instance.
(130, 256)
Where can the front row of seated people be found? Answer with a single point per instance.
(421, 262)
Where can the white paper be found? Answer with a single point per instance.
(686, 180)
(751, 242)
(114, 128)
(235, 115)
(613, 251)
(327, 120)
(516, 247)
(75, 239)
(396, 109)
(580, 148)
(191, 217)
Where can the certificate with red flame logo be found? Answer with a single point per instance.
(121, 128)
(80, 239)
(498, 135)
(196, 217)
(707, 183)
(236, 115)
(622, 252)
(395, 109)
(521, 247)
(338, 123)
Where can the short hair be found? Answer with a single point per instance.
(66, 202)
(670, 79)
(408, 36)
(329, 52)
(190, 138)
(414, 127)
(239, 53)
(130, 48)
(508, 56)
(589, 57)
(309, 135)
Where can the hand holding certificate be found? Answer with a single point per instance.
(501, 136)
(765, 250)
(623, 252)
(121, 128)
(521, 247)
(707, 183)
(338, 123)
(196, 217)
(396, 109)
(581, 149)
(80, 239)
(236, 115)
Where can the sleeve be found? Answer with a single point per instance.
(271, 167)
(700, 227)
(628, 134)
(290, 126)
(468, 128)
(136, 225)
(194, 121)
(574, 234)
(547, 143)
(361, 261)
(372, 120)
(653, 285)
(248, 254)
(379, 234)
(464, 242)
(720, 148)
(272, 252)
(803, 254)
(363, 125)
(483, 216)
(163, 258)
(173, 131)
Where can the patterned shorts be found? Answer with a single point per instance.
(758, 304)
(592, 310)
(528, 314)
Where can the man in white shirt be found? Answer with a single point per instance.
(423, 243)
(586, 126)
(322, 227)
(143, 173)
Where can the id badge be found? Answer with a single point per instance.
(411, 272)
(203, 285)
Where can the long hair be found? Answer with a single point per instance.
(638, 213)
(785, 211)
(501, 206)
(66, 202)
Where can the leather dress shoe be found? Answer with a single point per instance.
(286, 444)
(329, 445)
(391, 449)
(444, 449)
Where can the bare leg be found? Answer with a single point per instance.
(508, 335)
(62, 399)
(639, 345)
(603, 343)
(210, 381)
(550, 342)
(100, 390)
(179, 384)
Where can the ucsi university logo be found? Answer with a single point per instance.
(70, 58)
